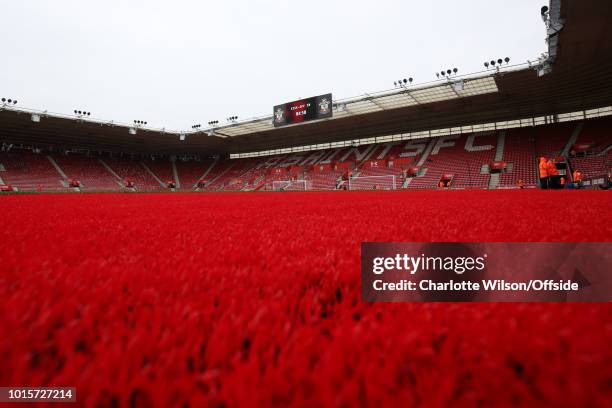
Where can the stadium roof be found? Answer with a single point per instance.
(581, 79)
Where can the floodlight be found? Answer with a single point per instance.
(486, 64)
(410, 80)
(500, 61)
(507, 59)
(544, 10)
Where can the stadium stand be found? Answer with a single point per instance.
(89, 171)
(29, 171)
(590, 153)
(161, 169)
(132, 169)
(465, 159)
(520, 157)
(550, 140)
(190, 172)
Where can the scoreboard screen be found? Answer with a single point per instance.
(318, 107)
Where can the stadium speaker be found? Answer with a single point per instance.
(459, 85)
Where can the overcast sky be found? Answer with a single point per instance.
(181, 62)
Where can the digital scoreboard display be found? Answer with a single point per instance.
(318, 107)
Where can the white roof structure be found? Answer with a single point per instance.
(401, 97)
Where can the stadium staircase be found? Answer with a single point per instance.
(148, 170)
(111, 171)
(132, 170)
(420, 164)
(499, 155)
(57, 167)
(175, 175)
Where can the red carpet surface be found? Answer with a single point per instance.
(254, 299)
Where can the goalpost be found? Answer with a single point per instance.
(372, 183)
(291, 185)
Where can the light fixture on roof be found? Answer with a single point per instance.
(195, 127)
(447, 73)
(544, 14)
(81, 113)
(140, 123)
(213, 123)
(403, 83)
(497, 64)
(232, 119)
(8, 101)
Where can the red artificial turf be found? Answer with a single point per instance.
(254, 299)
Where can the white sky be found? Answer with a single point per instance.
(180, 62)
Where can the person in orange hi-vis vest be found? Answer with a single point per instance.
(544, 180)
(577, 176)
